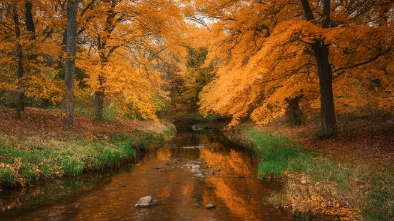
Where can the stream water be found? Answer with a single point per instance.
(194, 169)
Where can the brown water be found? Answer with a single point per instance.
(194, 170)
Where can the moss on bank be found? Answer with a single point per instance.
(315, 184)
(26, 159)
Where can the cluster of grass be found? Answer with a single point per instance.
(379, 194)
(330, 184)
(278, 155)
(25, 160)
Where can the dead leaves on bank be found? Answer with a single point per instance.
(47, 122)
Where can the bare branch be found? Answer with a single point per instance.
(371, 59)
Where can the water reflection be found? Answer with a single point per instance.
(51, 192)
(196, 169)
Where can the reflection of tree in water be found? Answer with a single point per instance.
(51, 192)
(234, 162)
(163, 154)
(191, 153)
(235, 183)
(196, 139)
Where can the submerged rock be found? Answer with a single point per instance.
(147, 201)
(210, 206)
(195, 167)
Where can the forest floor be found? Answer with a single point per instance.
(368, 140)
(47, 122)
(347, 177)
(37, 147)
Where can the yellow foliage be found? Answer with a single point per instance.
(38, 79)
(261, 72)
(124, 42)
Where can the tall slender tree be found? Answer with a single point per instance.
(19, 56)
(68, 100)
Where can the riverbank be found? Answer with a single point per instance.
(349, 177)
(37, 148)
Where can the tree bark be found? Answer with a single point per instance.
(99, 96)
(293, 113)
(20, 106)
(321, 53)
(29, 18)
(99, 104)
(327, 108)
(68, 99)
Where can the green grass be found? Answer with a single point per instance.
(25, 160)
(278, 155)
(371, 189)
(379, 203)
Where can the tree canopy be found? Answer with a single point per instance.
(119, 44)
(272, 57)
(272, 52)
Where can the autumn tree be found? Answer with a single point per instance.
(272, 49)
(29, 57)
(198, 74)
(121, 49)
(321, 53)
(19, 57)
(71, 44)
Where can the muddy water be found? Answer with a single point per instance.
(194, 170)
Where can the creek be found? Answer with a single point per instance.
(191, 171)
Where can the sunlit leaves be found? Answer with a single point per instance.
(264, 69)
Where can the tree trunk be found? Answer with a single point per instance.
(68, 99)
(19, 56)
(321, 53)
(293, 113)
(29, 18)
(327, 109)
(98, 104)
(99, 96)
(105, 53)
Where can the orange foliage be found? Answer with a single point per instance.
(121, 43)
(124, 41)
(262, 48)
(39, 52)
(267, 58)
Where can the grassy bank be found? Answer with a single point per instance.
(29, 153)
(316, 184)
(27, 159)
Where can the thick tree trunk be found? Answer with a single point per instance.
(19, 56)
(327, 109)
(29, 18)
(321, 53)
(68, 99)
(293, 113)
